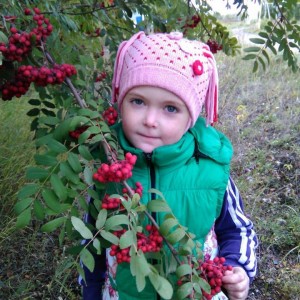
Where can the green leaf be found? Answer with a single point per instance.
(49, 104)
(33, 173)
(38, 210)
(84, 136)
(91, 114)
(97, 138)
(109, 237)
(87, 259)
(56, 146)
(35, 102)
(272, 48)
(184, 290)
(183, 270)
(54, 224)
(158, 206)
(3, 38)
(94, 194)
(94, 129)
(167, 225)
(255, 67)
(81, 228)
(85, 153)
(88, 175)
(74, 162)
(202, 283)
(97, 246)
(51, 200)
(58, 187)
(249, 56)
(80, 271)
(67, 171)
(252, 49)
(28, 190)
(33, 112)
(127, 239)
(262, 62)
(23, 218)
(116, 221)
(23, 204)
(257, 41)
(161, 285)
(176, 236)
(101, 218)
(45, 160)
(157, 192)
(49, 120)
(139, 265)
(265, 54)
(263, 34)
(82, 201)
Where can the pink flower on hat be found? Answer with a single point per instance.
(198, 67)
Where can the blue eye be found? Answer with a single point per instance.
(137, 101)
(171, 108)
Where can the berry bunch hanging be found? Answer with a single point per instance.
(110, 115)
(214, 46)
(20, 42)
(117, 171)
(147, 243)
(101, 76)
(25, 75)
(75, 134)
(211, 271)
(111, 203)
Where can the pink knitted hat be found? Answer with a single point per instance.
(169, 61)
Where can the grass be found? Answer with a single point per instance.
(259, 112)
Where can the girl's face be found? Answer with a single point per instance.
(153, 117)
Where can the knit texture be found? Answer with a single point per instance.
(186, 68)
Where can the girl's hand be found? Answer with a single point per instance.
(236, 283)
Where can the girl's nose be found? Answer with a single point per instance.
(151, 118)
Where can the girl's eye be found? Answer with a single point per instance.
(171, 109)
(137, 101)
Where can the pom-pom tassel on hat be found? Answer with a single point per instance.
(120, 62)
(211, 101)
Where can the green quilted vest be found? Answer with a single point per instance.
(193, 183)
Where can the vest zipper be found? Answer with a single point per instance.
(148, 157)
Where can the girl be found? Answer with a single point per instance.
(161, 82)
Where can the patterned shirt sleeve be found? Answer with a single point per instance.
(236, 237)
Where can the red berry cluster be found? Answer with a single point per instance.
(137, 190)
(77, 132)
(110, 203)
(214, 46)
(213, 271)
(117, 171)
(25, 75)
(115, 203)
(19, 43)
(191, 23)
(147, 243)
(110, 115)
(102, 75)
